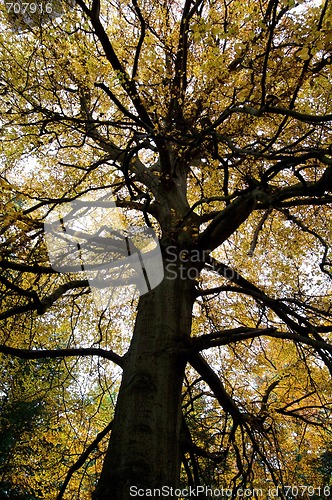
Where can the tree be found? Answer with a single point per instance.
(211, 124)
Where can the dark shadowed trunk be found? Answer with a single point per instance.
(144, 448)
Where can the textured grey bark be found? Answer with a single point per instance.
(144, 448)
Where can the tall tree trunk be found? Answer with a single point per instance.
(144, 448)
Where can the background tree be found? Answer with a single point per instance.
(211, 123)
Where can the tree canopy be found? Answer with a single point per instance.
(210, 122)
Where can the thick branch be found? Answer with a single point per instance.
(141, 38)
(226, 337)
(41, 306)
(302, 117)
(281, 309)
(61, 353)
(127, 84)
(211, 378)
(226, 222)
